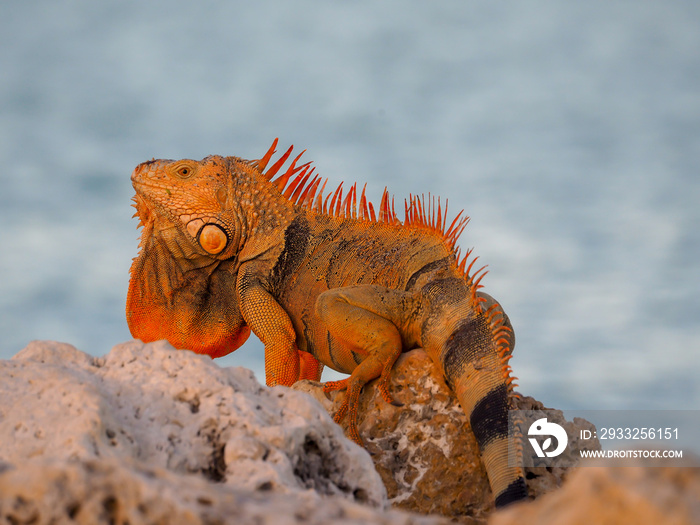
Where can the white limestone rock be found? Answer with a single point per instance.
(106, 491)
(169, 423)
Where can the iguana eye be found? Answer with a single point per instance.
(184, 172)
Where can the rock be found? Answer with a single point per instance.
(108, 491)
(425, 451)
(639, 493)
(149, 434)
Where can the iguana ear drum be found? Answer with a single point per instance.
(213, 239)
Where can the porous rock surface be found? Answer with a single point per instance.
(149, 434)
(425, 451)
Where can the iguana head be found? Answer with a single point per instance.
(190, 196)
(183, 282)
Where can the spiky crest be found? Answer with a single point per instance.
(297, 186)
(300, 188)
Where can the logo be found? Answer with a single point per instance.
(542, 427)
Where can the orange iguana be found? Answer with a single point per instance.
(225, 249)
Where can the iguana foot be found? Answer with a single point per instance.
(353, 387)
(347, 406)
(332, 386)
(384, 385)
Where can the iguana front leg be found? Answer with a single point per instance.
(271, 324)
(360, 320)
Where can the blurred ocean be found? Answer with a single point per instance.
(569, 131)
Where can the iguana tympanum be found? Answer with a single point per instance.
(225, 249)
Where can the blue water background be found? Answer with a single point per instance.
(569, 131)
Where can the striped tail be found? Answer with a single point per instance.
(469, 335)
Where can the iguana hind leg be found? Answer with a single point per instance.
(366, 342)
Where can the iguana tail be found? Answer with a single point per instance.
(469, 336)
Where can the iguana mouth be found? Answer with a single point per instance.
(143, 175)
(146, 202)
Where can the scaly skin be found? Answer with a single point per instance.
(226, 250)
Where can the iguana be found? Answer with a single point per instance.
(226, 249)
